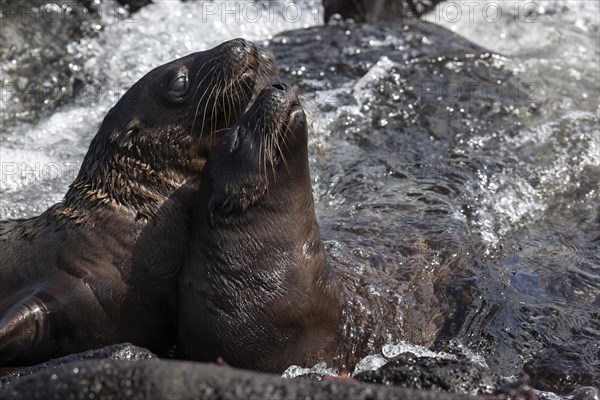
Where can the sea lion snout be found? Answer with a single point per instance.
(239, 46)
(273, 132)
(296, 113)
(239, 52)
(253, 61)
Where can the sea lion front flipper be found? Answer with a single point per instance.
(23, 327)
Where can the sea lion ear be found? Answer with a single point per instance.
(228, 201)
(126, 139)
(212, 211)
(220, 205)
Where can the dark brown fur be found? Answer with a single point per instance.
(256, 289)
(102, 266)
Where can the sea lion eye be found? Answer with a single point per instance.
(177, 86)
(180, 85)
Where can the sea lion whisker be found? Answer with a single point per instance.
(200, 84)
(214, 112)
(210, 96)
(268, 146)
(199, 104)
(262, 170)
(230, 103)
(216, 95)
(251, 116)
(275, 151)
(272, 70)
(218, 131)
(217, 104)
(227, 104)
(281, 140)
(261, 147)
(263, 80)
(271, 161)
(313, 125)
(207, 74)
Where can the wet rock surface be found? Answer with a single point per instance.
(410, 371)
(123, 351)
(566, 367)
(161, 379)
(440, 190)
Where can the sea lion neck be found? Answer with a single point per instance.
(137, 178)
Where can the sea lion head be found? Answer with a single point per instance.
(265, 153)
(160, 132)
(200, 95)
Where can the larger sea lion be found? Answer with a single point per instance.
(102, 266)
(256, 289)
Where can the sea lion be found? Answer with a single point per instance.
(102, 266)
(255, 288)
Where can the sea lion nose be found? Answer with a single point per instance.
(240, 46)
(281, 86)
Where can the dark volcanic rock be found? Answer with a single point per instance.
(38, 71)
(410, 371)
(564, 367)
(430, 79)
(124, 351)
(586, 393)
(152, 379)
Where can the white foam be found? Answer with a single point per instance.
(295, 371)
(370, 363)
(393, 350)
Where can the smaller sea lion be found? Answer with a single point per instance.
(255, 288)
